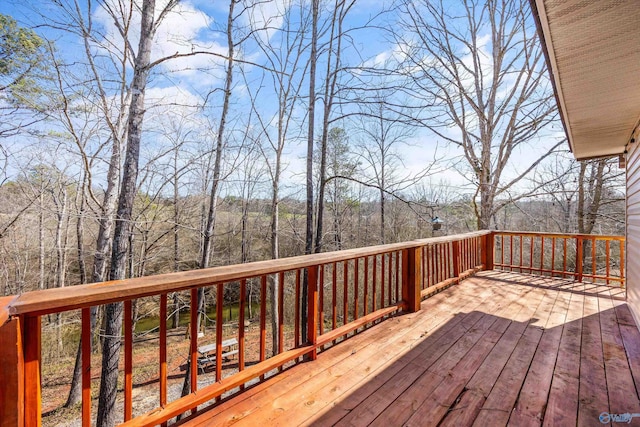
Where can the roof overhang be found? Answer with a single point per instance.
(592, 49)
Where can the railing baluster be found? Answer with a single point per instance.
(86, 366)
(382, 282)
(542, 255)
(390, 279)
(397, 276)
(445, 261)
(593, 258)
(434, 265)
(312, 313)
(474, 252)
(194, 314)
(465, 248)
(438, 264)
(622, 260)
(366, 286)
(263, 318)
(553, 255)
(334, 297)
(128, 360)
(520, 263)
(373, 284)
(321, 299)
(564, 257)
(241, 321)
(579, 247)
(345, 293)
(356, 279)
(219, 321)
(281, 312)
(531, 246)
(607, 255)
(163, 351)
(511, 252)
(440, 268)
(424, 259)
(456, 258)
(297, 311)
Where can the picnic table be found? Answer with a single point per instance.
(207, 353)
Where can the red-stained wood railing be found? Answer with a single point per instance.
(580, 257)
(346, 291)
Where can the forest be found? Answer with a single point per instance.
(140, 137)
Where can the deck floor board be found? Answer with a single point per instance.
(499, 348)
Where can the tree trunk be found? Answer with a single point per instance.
(82, 269)
(211, 216)
(308, 247)
(103, 242)
(41, 242)
(62, 232)
(111, 347)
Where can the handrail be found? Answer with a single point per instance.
(74, 297)
(560, 235)
(594, 257)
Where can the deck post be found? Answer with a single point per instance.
(32, 336)
(579, 248)
(487, 250)
(411, 274)
(12, 374)
(312, 311)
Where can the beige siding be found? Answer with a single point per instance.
(633, 231)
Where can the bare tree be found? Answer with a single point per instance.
(477, 70)
(333, 68)
(111, 345)
(383, 133)
(596, 181)
(308, 245)
(581, 193)
(285, 54)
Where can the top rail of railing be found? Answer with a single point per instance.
(81, 296)
(560, 235)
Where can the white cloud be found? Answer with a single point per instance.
(183, 30)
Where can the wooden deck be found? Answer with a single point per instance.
(498, 349)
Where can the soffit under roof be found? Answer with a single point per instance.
(593, 51)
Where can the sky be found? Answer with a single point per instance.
(181, 85)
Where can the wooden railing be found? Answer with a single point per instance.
(347, 291)
(581, 257)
